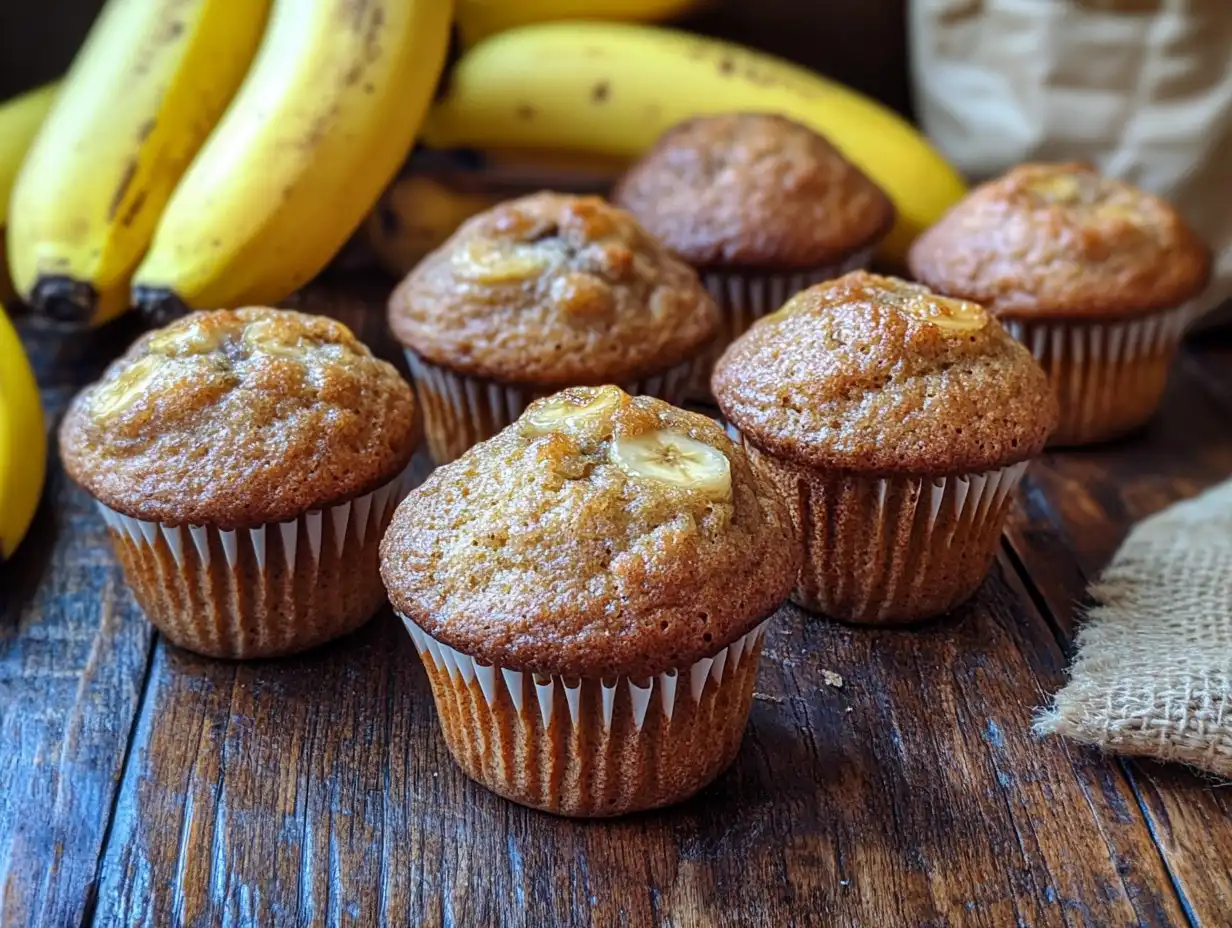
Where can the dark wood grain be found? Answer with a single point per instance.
(1078, 508)
(73, 654)
(317, 790)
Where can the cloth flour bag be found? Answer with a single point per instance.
(1140, 88)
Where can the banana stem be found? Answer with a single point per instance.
(158, 306)
(65, 300)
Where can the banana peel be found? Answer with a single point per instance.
(23, 441)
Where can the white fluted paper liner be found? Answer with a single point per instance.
(670, 685)
(353, 520)
(973, 496)
(745, 297)
(263, 591)
(461, 411)
(1096, 368)
(893, 549)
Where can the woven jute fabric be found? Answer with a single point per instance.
(1153, 672)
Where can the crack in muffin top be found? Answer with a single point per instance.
(237, 418)
(553, 290)
(754, 190)
(599, 535)
(1059, 240)
(875, 375)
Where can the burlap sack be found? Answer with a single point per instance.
(1140, 88)
(1153, 673)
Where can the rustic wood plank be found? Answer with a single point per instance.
(73, 654)
(1079, 507)
(317, 790)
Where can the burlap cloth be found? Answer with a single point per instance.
(1153, 672)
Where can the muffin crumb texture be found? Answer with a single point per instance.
(236, 418)
(754, 190)
(1060, 240)
(599, 535)
(553, 290)
(879, 376)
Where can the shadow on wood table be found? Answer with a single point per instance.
(147, 786)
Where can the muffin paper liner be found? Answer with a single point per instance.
(460, 411)
(1109, 377)
(260, 591)
(895, 549)
(747, 297)
(592, 747)
(743, 298)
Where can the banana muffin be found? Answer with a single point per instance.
(540, 293)
(1095, 276)
(897, 423)
(246, 463)
(588, 592)
(760, 205)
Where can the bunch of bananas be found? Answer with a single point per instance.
(211, 152)
(204, 153)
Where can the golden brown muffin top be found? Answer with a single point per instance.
(878, 376)
(1058, 240)
(236, 418)
(754, 190)
(553, 290)
(599, 535)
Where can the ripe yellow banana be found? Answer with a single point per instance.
(20, 119)
(325, 118)
(478, 19)
(23, 443)
(144, 91)
(614, 87)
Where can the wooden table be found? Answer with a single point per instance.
(146, 786)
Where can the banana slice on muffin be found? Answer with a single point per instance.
(675, 460)
(553, 413)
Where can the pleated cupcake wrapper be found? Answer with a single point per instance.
(746, 297)
(947, 519)
(352, 520)
(980, 491)
(743, 298)
(974, 497)
(962, 518)
(260, 592)
(461, 411)
(671, 685)
(1098, 367)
